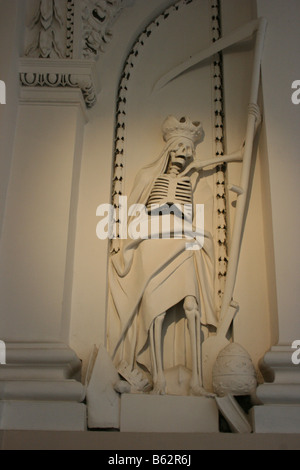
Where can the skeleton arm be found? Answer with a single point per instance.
(198, 165)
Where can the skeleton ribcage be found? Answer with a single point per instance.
(170, 190)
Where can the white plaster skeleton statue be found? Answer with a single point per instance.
(148, 278)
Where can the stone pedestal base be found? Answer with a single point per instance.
(154, 413)
(42, 416)
(40, 388)
(283, 419)
(279, 395)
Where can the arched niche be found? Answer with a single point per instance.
(171, 38)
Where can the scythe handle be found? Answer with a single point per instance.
(244, 184)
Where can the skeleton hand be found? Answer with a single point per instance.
(195, 165)
(253, 109)
(115, 246)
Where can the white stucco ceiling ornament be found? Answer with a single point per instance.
(52, 28)
(46, 23)
(97, 19)
(63, 42)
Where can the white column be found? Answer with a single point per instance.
(11, 40)
(42, 132)
(281, 150)
(40, 384)
(39, 232)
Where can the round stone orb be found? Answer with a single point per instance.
(233, 372)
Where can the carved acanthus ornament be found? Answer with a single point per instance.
(46, 25)
(98, 17)
(65, 33)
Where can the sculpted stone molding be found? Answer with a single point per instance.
(61, 73)
(46, 24)
(281, 384)
(97, 19)
(41, 389)
(64, 29)
(53, 25)
(70, 29)
(220, 215)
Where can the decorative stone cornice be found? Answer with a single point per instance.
(64, 39)
(61, 73)
(52, 29)
(46, 26)
(282, 377)
(98, 17)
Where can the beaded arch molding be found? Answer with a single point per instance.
(220, 218)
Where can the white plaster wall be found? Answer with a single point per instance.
(281, 148)
(11, 43)
(34, 255)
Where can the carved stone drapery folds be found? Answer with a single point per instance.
(68, 31)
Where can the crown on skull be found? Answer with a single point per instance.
(192, 130)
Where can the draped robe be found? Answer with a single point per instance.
(153, 276)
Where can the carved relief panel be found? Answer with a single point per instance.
(144, 100)
(68, 29)
(70, 36)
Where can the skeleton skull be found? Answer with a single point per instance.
(180, 155)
